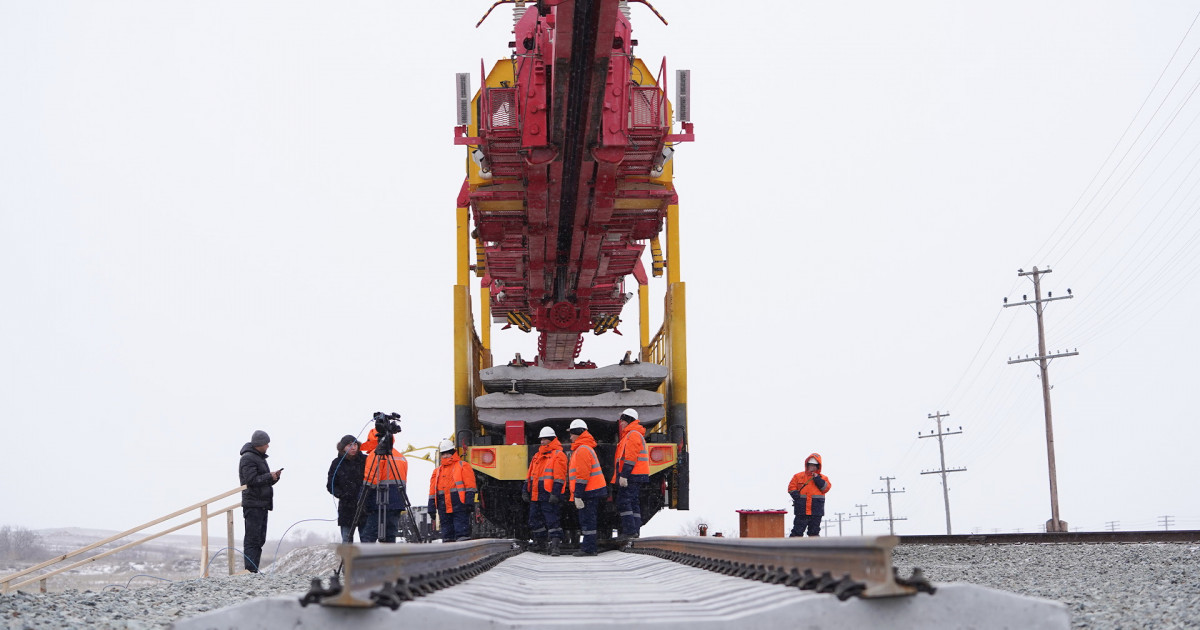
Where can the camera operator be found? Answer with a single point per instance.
(385, 476)
(345, 481)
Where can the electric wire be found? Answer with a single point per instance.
(1038, 254)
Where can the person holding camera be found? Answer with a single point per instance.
(543, 489)
(452, 494)
(258, 497)
(345, 481)
(587, 485)
(385, 477)
(808, 489)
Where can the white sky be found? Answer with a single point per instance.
(223, 216)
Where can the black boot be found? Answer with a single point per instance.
(554, 542)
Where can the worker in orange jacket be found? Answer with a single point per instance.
(452, 494)
(808, 489)
(631, 471)
(385, 479)
(544, 486)
(587, 484)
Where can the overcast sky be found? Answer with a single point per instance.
(226, 216)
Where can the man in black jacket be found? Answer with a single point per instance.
(345, 481)
(257, 497)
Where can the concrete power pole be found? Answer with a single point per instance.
(889, 492)
(1165, 521)
(1112, 525)
(942, 452)
(860, 516)
(1055, 524)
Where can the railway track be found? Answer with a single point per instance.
(665, 582)
(661, 582)
(1181, 536)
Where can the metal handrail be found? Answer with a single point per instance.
(7, 582)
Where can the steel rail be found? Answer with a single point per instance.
(1178, 536)
(845, 566)
(389, 574)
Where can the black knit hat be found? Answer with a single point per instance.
(260, 438)
(346, 439)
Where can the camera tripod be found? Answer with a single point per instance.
(385, 462)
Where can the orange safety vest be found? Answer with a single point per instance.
(803, 482)
(454, 475)
(549, 467)
(632, 451)
(585, 466)
(386, 470)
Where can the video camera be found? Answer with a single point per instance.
(387, 422)
(386, 426)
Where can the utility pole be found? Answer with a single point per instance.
(942, 452)
(841, 520)
(860, 516)
(1055, 524)
(1112, 525)
(889, 492)
(1165, 521)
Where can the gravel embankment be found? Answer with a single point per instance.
(1105, 586)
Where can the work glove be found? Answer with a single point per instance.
(623, 482)
(553, 498)
(578, 504)
(526, 497)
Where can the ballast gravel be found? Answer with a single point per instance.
(1153, 586)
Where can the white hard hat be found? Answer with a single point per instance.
(813, 461)
(547, 432)
(445, 446)
(631, 412)
(578, 424)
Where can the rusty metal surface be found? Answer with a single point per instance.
(389, 574)
(1181, 536)
(844, 566)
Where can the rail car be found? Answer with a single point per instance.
(569, 181)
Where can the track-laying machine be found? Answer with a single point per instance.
(569, 145)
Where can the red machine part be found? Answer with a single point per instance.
(575, 143)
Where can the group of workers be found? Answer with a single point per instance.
(553, 476)
(370, 485)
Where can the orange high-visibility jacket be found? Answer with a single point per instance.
(632, 459)
(584, 476)
(453, 477)
(381, 470)
(807, 489)
(547, 471)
